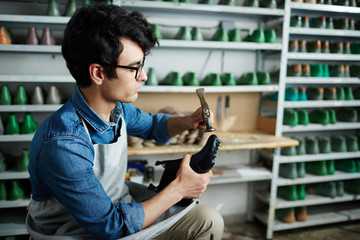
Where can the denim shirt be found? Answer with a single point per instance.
(62, 157)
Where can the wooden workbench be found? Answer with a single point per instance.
(230, 141)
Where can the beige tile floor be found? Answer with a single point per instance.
(256, 231)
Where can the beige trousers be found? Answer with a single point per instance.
(198, 224)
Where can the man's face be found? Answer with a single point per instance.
(125, 87)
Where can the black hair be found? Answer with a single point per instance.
(92, 36)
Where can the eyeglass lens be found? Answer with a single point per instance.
(139, 70)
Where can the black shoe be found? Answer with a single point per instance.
(200, 162)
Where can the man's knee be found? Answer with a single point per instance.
(212, 221)
(200, 223)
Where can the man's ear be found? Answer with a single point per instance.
(97, 73)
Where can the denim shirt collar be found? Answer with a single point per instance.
(90, 116)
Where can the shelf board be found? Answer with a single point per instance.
(8, 175)
(13, 224)
(210, 89)
(236, 174)
(23, 48)
(322, 80)
(312, 220)
(324, 8)
(14, 204)
(250, 46)
(318, 157)
(353, 214)
(37, 79)
(198, 8)
(315, 103)
(230, 141)
(16, 138)
(324, 32)
(34, 19)
(321, 104)
(30, 108)
(324, 56)
(310, 178)
(311, 199)
(319, 127)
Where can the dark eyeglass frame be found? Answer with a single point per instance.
(138, 68)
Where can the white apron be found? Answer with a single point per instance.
(49, 220)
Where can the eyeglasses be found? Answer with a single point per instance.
(138, 68)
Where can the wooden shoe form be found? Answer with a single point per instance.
(315, 93)
(54, 96)
(301, 214)
(294, 46)
(286, 215)
(330, 94)
(37, 96)
(47, 37)
(32, 37)
(4, 38)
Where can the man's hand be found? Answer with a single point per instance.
(191, 184)
(178, 124)
(187, 184)
(196, 120)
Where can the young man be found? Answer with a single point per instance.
(78, 155)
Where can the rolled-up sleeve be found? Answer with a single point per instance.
(146, 125)
(134, 217)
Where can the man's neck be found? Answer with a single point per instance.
(95, 100)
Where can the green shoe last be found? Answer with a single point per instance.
(320, 116)
(248, 78)
(338, 144)
(324, 144)
(234, 35)
(190, 79)
(330, 164)
(352, 143)
(291, 117)
(228, 79)
(288, 170)
(348, 165)
(312, 145)
(304, 118)
(317, 168)
(211, 79)
(288, 192)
